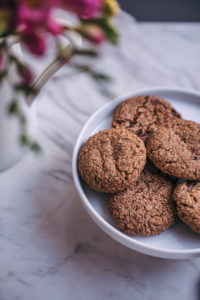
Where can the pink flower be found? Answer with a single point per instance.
(85, 9)
(38, 17)
(94, 33)
(33, 21)
(53, 27)
(36, 43)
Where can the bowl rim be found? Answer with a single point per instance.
(97, 218)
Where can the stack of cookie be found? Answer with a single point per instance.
(142, 197)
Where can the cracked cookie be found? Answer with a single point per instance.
(111, 160)
(187, 197)
(146, 208)
(152, 168)
(142, 114)
(175, 149)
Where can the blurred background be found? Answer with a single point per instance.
(163, 11)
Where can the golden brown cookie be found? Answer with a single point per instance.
(146, 208)
(175, 149)
(111, 160)
(187, 197)
(142, 114)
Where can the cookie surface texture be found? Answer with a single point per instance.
(142, 114)
(111, 160)
(175, 149)
(187, 197)
(146, 208)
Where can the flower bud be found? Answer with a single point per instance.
(93, 33)
(34, 42)
(111, 8)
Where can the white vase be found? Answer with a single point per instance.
(11, 150)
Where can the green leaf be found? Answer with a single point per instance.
(24, 87)
(101, 77)
(25, 141)
(22, 118)
(83, 68)
(13, 107)
(86, 52)
(111, 33)
(3, 43)
(3, 26)
(36, 147)
(13, 58)
(3, 74)
(96, 75)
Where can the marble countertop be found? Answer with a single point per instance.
(49, 247)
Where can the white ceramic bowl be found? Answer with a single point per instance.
(179, 241)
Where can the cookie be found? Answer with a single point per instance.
(187, 197)
(146, 208)
(111, 160)
(152, 168)
(175, 149)
(142, 114)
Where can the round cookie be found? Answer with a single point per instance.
(152, 168)
(146, 208)
(187, 197)
(143, 114)
(111, 160)
(175, 149)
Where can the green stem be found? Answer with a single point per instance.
(49, 71)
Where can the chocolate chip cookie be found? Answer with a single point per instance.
(146, 208)
(111, 160)
(175, 149)
(142, 114)
(187, 197)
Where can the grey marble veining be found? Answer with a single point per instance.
(50, 248)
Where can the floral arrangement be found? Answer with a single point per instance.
(31, 22)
